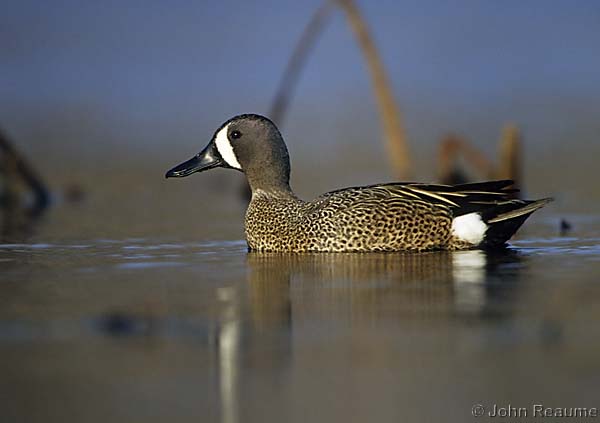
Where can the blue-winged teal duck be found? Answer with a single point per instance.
(387, 217)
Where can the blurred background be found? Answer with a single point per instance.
(133, 298)
(110, 95)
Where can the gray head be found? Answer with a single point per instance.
(249, 143)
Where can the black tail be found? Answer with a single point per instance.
(506, 218)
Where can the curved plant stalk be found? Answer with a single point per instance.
(388, 109)
(14, 167)
(448, 171)
(296, 63)
(509, 166)
(450, 149)
(15, 174)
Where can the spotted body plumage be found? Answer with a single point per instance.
(356, 220)
(388, 217)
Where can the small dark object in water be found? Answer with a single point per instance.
(121, 325)
(565, 227)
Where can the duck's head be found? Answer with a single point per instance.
(249, 143)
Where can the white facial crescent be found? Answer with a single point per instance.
(225, 149)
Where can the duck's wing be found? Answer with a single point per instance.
(460, 199)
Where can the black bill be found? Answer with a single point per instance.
(206, 159)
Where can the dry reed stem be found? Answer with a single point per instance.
(451, 147)
(509, 153)
(14, 168)
(388, 109)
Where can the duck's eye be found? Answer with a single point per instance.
(235, 135)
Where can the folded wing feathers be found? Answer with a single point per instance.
(436, 195)
(463, 199)
(458, 196)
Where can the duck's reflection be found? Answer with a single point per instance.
(286, 291)
(371, 285)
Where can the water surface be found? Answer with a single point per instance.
(155, 329)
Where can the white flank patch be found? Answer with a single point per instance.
(469, 227)
(225, 149)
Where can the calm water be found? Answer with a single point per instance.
(155, 329)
